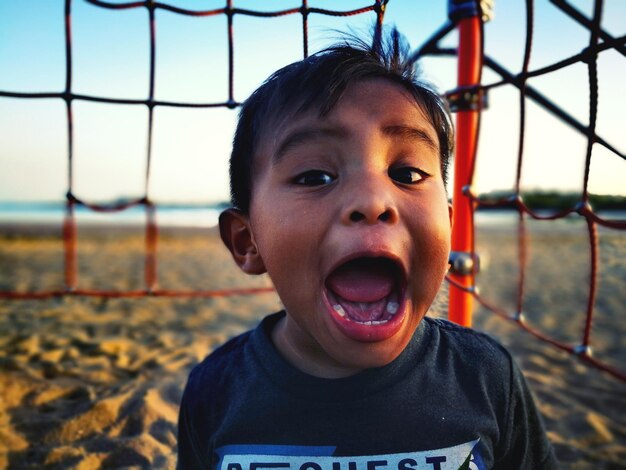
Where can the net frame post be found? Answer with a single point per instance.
(70, 255)
(468, 16)
(150, 258)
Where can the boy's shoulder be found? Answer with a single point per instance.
(225, 357)
(467, 349)
(240, 356)
(463, 339)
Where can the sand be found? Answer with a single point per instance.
(90, 383)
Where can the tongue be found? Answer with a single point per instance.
(362, 281)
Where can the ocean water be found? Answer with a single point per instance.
(201, 216)
(168, 216)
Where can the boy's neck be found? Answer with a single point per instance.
(322, 367)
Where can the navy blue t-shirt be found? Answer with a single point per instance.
(453, 399)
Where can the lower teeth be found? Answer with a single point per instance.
(392, 308)
(339, 309)
(372, 322)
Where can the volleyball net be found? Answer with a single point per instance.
(467, 101)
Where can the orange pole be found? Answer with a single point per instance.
(469, 65)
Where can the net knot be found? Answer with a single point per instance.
(474, 290)
(516, 200)
(380, 5)
(582, 350)
(588, 55)
(70, 197)
(584, 208)
(464, 263)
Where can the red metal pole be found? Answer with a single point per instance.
(469, 65)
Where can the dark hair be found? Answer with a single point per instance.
(319, 81)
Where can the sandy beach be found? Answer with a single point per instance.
(91, 383)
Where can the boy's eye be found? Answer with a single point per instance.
(407, 175)
(313, 178)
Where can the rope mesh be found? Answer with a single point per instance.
(68, 96)
(515, 200)
(599, 41)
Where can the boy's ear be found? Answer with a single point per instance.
(451, 214)
(238, 238)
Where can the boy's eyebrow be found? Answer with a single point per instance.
(302, 136)
(411, 133)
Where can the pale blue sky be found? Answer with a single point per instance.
(191, 146)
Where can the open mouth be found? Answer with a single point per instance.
(365, 297)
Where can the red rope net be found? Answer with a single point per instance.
(515, 201)
(599, 41)
(151, 234)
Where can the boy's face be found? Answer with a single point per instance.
(349, 216)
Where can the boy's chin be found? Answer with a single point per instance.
(371, 355)
(359, 345)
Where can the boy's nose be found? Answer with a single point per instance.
(385, 216)
(370, 204)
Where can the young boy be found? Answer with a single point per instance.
(338, 177)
